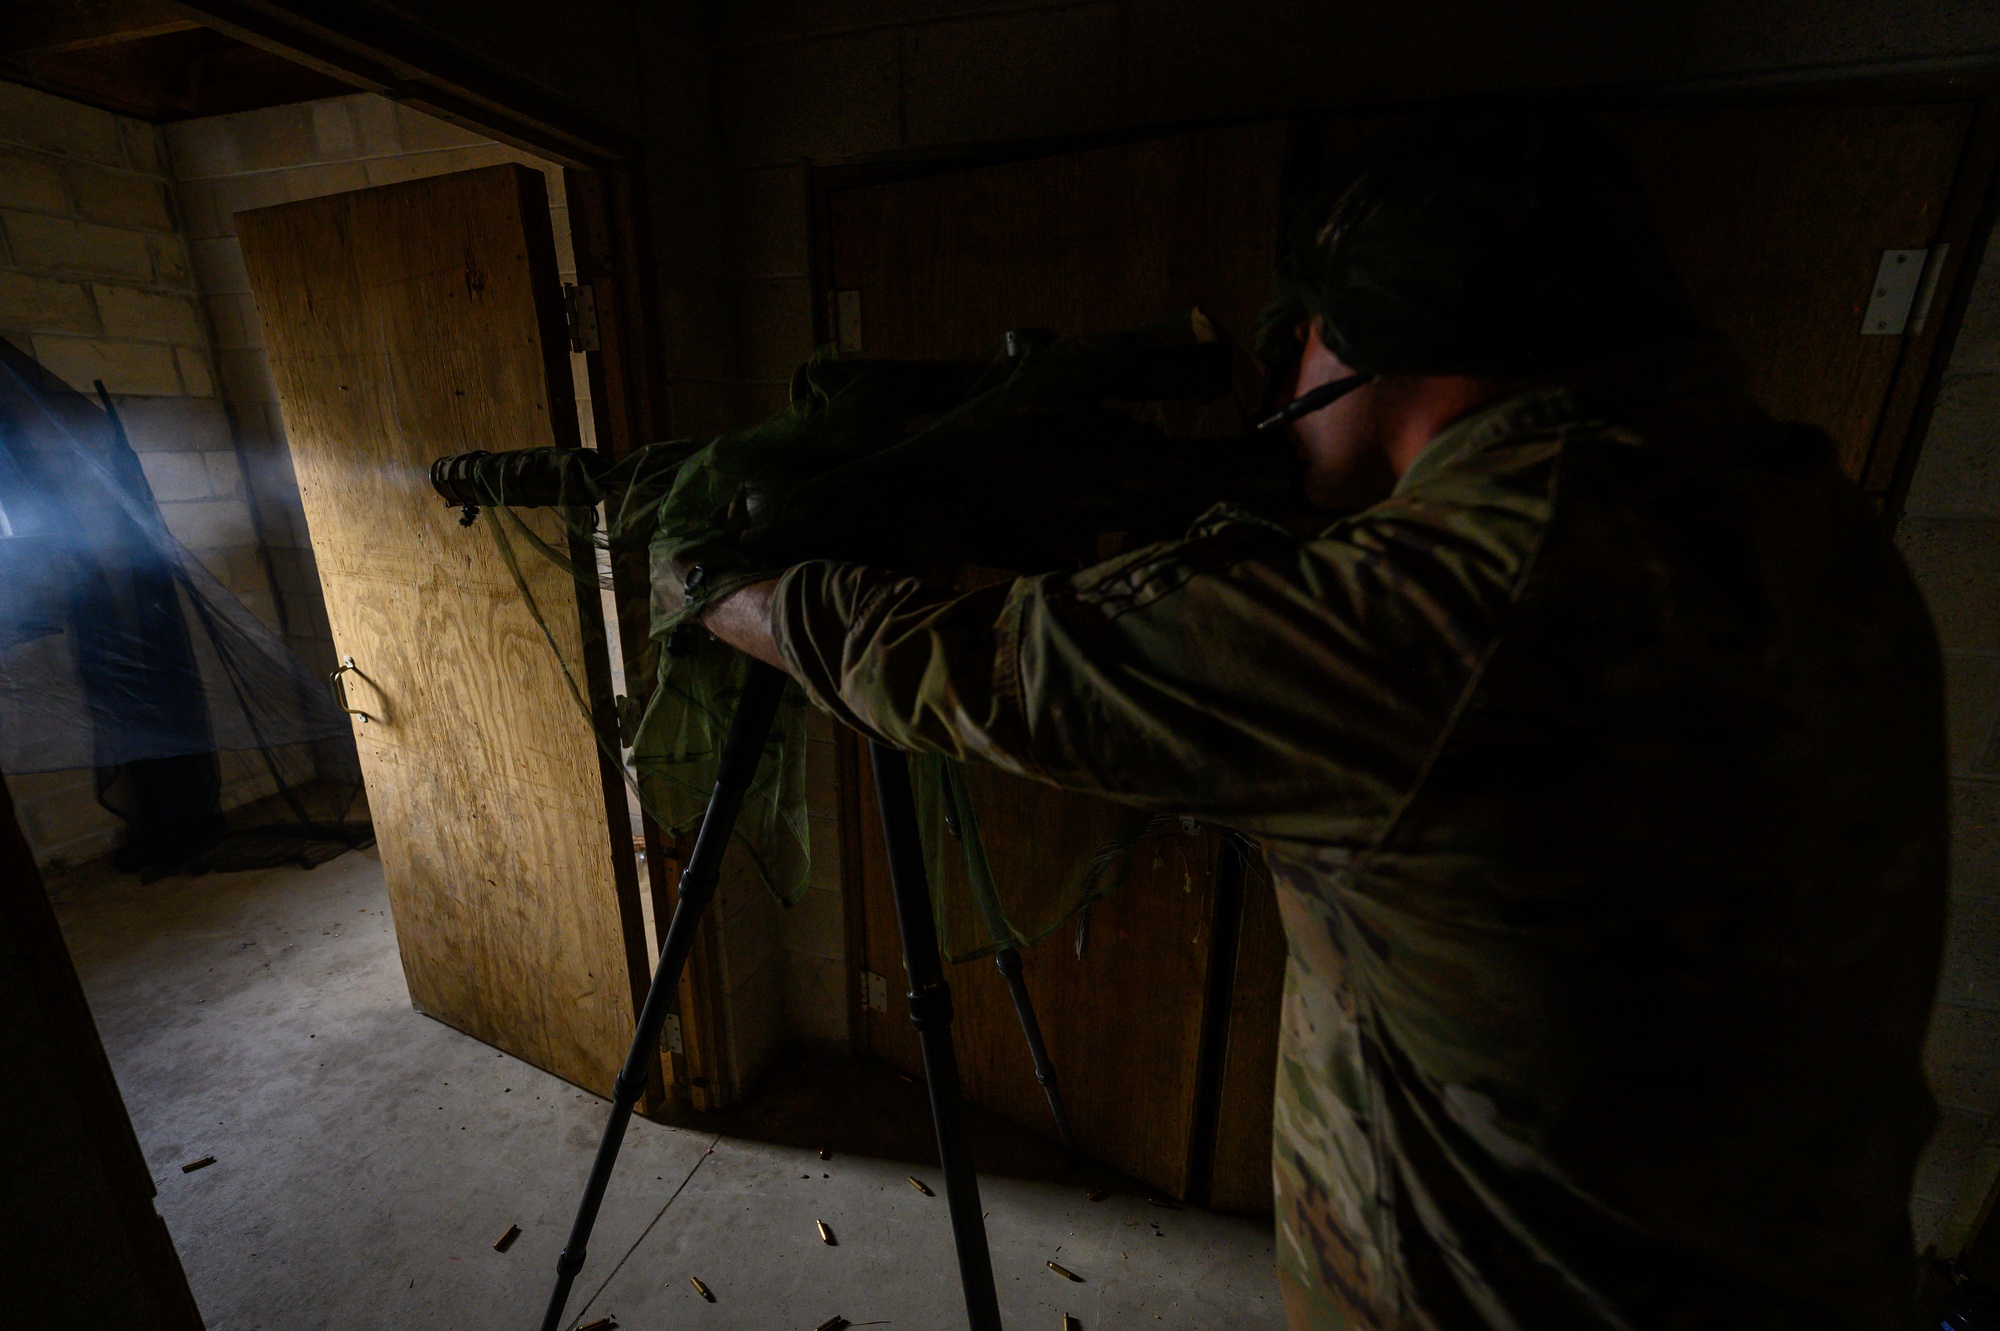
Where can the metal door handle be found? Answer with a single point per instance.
(339, 690)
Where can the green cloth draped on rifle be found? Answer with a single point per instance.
(1013, 464)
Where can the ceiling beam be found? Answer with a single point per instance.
(42, 27)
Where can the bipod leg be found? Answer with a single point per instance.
(1009, 961)
(751, 726)
(930, 1013)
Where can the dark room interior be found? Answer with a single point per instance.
(322, 1012)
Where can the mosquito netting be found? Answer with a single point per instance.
(121, 654)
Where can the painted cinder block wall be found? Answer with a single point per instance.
(95, 284)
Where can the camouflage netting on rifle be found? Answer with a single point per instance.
(948, 471)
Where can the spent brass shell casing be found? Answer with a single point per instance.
(1065, 1273)
(921, 1186)
(825, 1234)
(1097, 1194)
(833, 1323)
(700, 1288)
(506, 1241)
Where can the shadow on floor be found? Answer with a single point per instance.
(861, 1106)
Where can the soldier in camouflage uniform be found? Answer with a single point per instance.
(1599, 765)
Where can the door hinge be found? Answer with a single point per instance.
(580, 307)
(847, 320)
(671, 1036)
(874, 991)
(1900, 299)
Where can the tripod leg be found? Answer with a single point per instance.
(965, 827)
(1009, 961)
(740, 754)
(930, 1013)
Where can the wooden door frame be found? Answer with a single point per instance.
(1967, 227)
(1972, 206)
(65, 1026)
(608, 218)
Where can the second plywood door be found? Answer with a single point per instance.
(404, 323)
(942, 266)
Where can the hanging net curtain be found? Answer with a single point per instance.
(949, 471)
(120, 653)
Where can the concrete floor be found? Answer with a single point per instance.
(368, 1157)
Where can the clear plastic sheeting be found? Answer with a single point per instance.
(120, 653)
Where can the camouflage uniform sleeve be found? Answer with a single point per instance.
(1287, 687)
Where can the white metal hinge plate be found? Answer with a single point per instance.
(847, 320)
(875, 991)
(1900, 299)
(672, 1036)
(580, 306)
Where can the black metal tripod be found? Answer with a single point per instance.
(929, 995)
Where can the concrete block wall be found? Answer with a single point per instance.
(1950, 533)
(95, 284)
(61, 817)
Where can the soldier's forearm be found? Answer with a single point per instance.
(743, 620)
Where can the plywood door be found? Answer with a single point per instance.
(942, 266)
(1122, 1018)
(404, 323)
(1776, 218)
